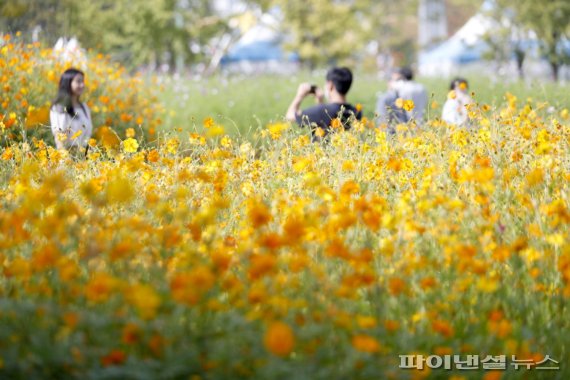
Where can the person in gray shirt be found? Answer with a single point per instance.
(402, 86)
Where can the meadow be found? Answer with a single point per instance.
(203, 253)
(246, 104)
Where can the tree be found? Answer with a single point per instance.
(505, 39)
(135, 32)
(320, 31)
(548, 20)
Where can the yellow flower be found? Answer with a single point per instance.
(277, 129)
(61, 136)
(130, 132)
(408, 105)
(214, 131)
(366, 322)
(144, 298)
(120, 190)
(172, 145)
(488, 285)
(130, 145)
(76, 134)
(348, 166)
(535, 177)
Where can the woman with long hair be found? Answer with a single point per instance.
(70, 118)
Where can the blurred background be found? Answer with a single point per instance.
(507, 38)
(240, 61)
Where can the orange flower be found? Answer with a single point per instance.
(428, 282)
(336, 123)
(349, 187)
(279, 339)
(45, 258)
(70, 319)
(115, 357)
(153, 156)
(365, 343)
(293, 230)
(100, 287)
(493, 375)
(259, 214)
(442, 327)
(131, 333)
(396, 286)
(391, 325)
(208, 122)
(188, 287)
(261, 265)
(155, 344)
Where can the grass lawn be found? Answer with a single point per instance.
(243, 104)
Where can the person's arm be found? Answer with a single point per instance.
(320, 95)
(87, 111)
(58, 121)
(89, 127)
(294, 109)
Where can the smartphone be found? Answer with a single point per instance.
(313, 89)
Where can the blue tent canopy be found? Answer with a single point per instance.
(258, 51)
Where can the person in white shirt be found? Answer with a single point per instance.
(70, 118)
(454, 109)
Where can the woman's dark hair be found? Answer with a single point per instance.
(63, 97)
(458, 81)
(341, 77)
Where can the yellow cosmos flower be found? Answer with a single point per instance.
(130, 145)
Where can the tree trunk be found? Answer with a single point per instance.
(555, 70)
(553, 56)
(520, 55)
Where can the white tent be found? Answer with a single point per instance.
(465, 47)
(464, 52)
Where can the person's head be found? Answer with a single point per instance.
(406, 73)
(71, 86)
(339, 79)
(459, 84)
(402, 73)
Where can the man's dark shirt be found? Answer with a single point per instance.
(323, 114)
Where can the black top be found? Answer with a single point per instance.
(323, 114)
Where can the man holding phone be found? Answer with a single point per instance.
(337, 84)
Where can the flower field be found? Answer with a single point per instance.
(209, 257)
(29, 76)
